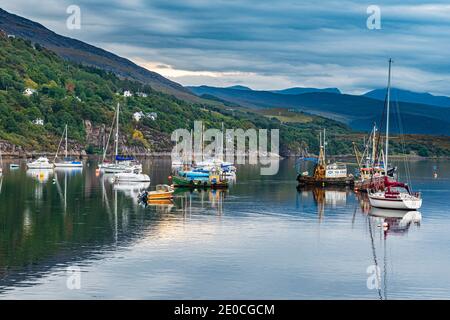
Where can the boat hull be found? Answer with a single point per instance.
(39, 166)
(395, 203)
(159, 196)
(180, 182)
(323, 182)
(74, 164)
(120, 177)
(117, 168)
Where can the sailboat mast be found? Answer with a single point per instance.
(117, 134)
(374, 145)
(66, 143)
(387, 118)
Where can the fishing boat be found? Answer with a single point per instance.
(161, 192)
(395, 195)
(334, 174)
(370, 164)
(67, 162)
(120, 163)
(131, 175)
(14, 166)
(40, 163)
(214, 180)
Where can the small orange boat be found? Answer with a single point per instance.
(162, 192)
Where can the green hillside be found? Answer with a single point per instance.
(70, 93)
(85, 98)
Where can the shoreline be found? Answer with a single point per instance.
(30, 155)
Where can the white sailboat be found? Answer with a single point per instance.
(40, 163)
(67, 162)
(395, 195)
(120, 164)
(131, 175)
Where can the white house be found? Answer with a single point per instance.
(152, 115)
(38, 122)
(138, 115)
(127, 93)
(29, 91)
(142, 94)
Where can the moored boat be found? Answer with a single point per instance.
(161, 192)
(40, 163)
(395, 195)
(131, 175)
(215, 180)
(334, 174)
(67, 162)
(121, 163)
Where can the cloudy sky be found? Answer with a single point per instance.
(266, 44)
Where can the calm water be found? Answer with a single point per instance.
(260, 239)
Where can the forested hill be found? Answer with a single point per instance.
(80, 52)
(85, 98)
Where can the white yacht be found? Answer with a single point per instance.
(396, 195)
(40, 163)
(131, 175)
(67, 162)
(120, 164)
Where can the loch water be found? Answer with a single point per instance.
(261, 239)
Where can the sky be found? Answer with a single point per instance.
(266, 44)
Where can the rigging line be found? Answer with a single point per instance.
(378, 144)
(59, 145)
(403, 144)
(109, 137)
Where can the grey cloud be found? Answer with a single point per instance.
(322, 43)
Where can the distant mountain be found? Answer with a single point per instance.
(238, 87)
(300, 90)
(81, 52)
(359, 112)
(410, 96)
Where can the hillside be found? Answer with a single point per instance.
(358, 112)
(80, 52)
(85, 97)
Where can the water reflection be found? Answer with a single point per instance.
(266, 228)
(41, 175)
(324, 198)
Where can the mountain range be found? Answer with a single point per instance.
(410, 96)
(358, 111)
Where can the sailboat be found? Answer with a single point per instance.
(67, 162)
(395, 195)
(120, 163)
